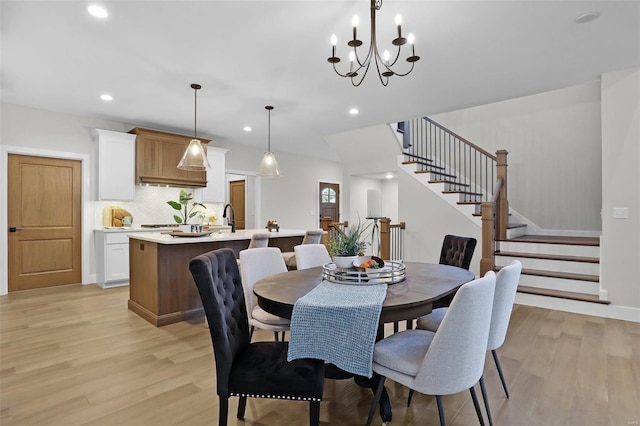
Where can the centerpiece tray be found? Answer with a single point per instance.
(189, 234)
(392, 272)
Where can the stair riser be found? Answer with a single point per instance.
(562, 284)
(557, 249)
(516, 232)
(552, 265)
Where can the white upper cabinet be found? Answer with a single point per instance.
(214, 191)
(116, 164)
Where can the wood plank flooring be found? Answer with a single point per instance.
(75, 355)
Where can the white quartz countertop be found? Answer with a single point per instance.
(130, 229)
(243, 234)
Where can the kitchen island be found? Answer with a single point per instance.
(161, 288)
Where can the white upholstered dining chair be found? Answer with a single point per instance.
(255, 264)
(312, 236)
(311, 255)
(444, 362)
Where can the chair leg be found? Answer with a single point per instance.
(251, 332)
(314, 413)
(474, 397)
(376, 400)
(242, 404)
(440, 410)
(497, 360)
(223, 411)
(275, 333)
(486, 400)
(410, 396)
(283, 336)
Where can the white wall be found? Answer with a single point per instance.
(291, 199)
(428, 219)
(620, 241)
(554, 146)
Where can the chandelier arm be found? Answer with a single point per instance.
(366, 70)
(406, 73)
(383, 80)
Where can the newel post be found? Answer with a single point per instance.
(487, 262)
(326, 226)
(385, 238)
(501, 172)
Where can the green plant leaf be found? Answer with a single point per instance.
(177, 218)
(175, 205)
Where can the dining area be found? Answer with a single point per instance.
(425, 326)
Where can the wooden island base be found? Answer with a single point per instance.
(161, 288)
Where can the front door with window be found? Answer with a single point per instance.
(329, 201)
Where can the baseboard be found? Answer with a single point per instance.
(586, 308)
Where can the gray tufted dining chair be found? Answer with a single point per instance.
(244, 369)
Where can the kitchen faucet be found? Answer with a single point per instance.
(229, 221)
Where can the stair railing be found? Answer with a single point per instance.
(391, 236)
(464, 167)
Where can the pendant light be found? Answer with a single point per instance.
(269, 165)
(194, 157)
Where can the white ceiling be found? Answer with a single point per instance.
(248, 54)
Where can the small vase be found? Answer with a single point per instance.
(344, 261)
(184, 228)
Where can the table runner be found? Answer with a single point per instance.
(338, 323)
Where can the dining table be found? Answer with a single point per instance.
(425, 287)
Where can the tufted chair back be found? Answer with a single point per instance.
(457, 251)
(217, 277)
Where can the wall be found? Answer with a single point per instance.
(429, 218)
(554, 146)
(291, 199)
(620, 241)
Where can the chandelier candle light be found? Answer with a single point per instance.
(194, 157)
(359, 68)
(269, 165)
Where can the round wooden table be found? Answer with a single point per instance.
(426, 287)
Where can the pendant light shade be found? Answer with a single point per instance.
(269, 165)
(194, 157)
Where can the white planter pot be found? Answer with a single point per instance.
(184, 228)
(344, 261)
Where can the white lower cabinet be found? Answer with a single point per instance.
(112, 258)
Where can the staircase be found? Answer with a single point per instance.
(463, 174)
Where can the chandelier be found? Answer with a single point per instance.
(359, 67)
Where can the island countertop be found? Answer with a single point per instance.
(215, 236)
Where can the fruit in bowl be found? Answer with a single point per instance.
(368, 262)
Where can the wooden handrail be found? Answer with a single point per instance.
(471, 144)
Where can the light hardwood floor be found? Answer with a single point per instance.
(76, 355)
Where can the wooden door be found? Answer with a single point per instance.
(237, 200)
(329, 201)
(44, 218)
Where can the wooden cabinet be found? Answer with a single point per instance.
(215, 190)
(157, 157)
(116, 164)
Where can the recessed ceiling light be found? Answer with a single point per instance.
(97, 11)
(106, 97)
(354, 111)
(246, 128)
(587, 17)
(389, 175)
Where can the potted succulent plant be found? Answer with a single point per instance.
(345, 247)
(182, 206)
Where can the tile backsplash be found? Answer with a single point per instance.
(150, 206)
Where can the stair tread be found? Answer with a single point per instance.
(516, 225)
(449, 182)
(469, 202)
(418, 157)
(555, 274)
(556, 239)
(436, 172)
(462, 192)
(583, 297)
(548, 256)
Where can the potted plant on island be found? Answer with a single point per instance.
(345, 247)
(186, 213)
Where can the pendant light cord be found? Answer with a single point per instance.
(269, 108)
